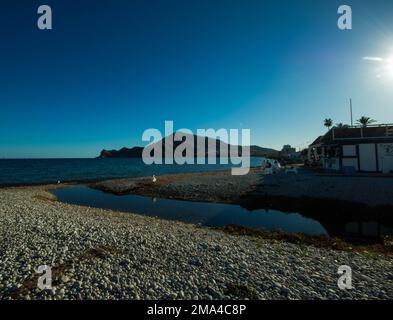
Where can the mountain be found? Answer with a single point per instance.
(135, 152)
(192, 140)
(257, 151)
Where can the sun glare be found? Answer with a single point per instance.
(384, 67)
(389, 67)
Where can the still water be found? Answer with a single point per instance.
(219, 215)
(206, 214)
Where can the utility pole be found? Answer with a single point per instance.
(350, 104)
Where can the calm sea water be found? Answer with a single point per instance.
(39, 171)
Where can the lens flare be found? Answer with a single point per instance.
(383, 67)
(389, 68)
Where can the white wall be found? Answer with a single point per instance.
(368, 159)
(385, 157)
(349, 151)
(350, 162)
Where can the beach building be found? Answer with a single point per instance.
(354, 149)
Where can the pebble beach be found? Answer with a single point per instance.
(102, 254)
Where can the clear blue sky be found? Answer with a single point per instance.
(111, 69)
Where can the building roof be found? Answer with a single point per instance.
(356, 134)
(316, 141)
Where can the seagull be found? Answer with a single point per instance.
(154, 178)
(58, 181)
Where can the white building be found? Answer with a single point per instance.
(355, 149)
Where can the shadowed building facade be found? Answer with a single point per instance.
(354, 149)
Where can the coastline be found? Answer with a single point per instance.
(331, 200)
(94, 180)
(221, 186)
(102, 254)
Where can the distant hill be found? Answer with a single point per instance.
(257, 151)
(136, 152)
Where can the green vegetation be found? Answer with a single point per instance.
(328, 123)
(365, 121)
(342, 125)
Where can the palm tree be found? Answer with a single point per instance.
(328, 123)
(365, 121)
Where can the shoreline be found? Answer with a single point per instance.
(221, 186)
(332, 201)
(256, 191)
(102, 254)
(307, 193)
(95, 180)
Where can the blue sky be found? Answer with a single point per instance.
(111, 69)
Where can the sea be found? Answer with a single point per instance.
(14, 172)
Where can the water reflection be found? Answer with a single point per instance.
(207, 214)
(218, 215)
